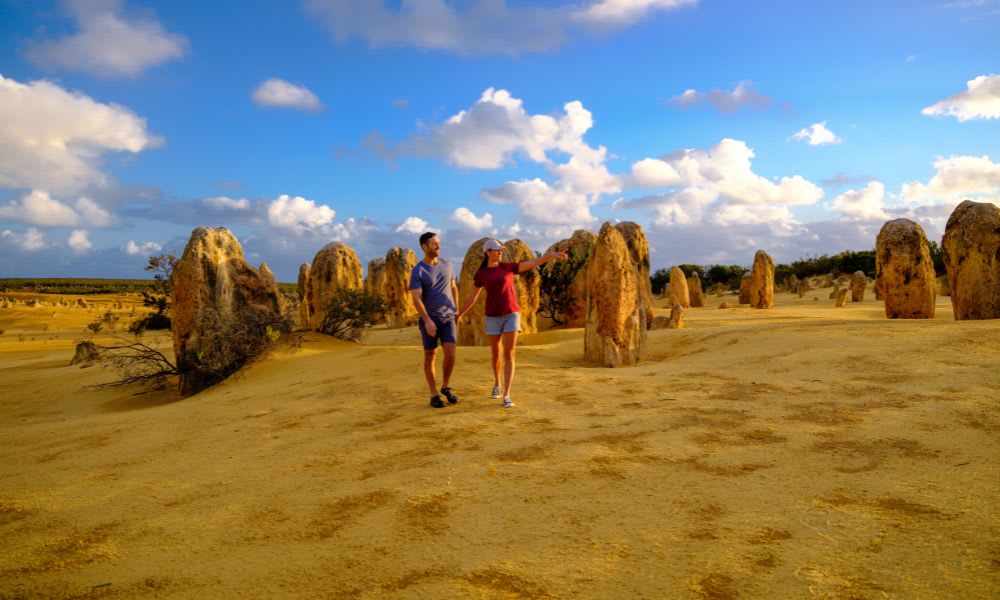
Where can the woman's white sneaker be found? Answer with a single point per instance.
(496, 392)
(507, 402)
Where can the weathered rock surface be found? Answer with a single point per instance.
(761, 288)
(578, 246)
(302, 287)
(222, 309)
(659, 322)
(802, 288)
(944, 288)
(615, 332)
(858, 282)
(389, 278)
(334, 267)
(86, 354)
(724, 305)
(904, 270)
(638, 247)
(841, 298)
(695, 293)
(835, 292)
(677, 290)
(676, 320)
(745, 290)
(971, 247)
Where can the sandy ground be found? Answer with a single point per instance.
(798, 452)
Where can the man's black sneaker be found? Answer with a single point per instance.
(452, 398)
(436, 402)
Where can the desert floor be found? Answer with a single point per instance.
(800, 452)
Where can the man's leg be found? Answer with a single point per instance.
(449, 363)
(429, 370)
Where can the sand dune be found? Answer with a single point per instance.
(798, 452)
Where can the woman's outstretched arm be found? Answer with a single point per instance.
(533, 264)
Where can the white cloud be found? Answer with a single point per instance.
(817, 135)
(469, 221)
(79, 242)
(624, 12)
(144, 248)
(109, 43)
(477, 26)
(743, 96)
(957, 178)
(31, 240)
(53, 139)
(412, 225)
(297, 214)
(39, 208)
(282, 94)
(224, 203)
(981, 100)
(866, 204)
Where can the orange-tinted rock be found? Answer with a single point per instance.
(578, 246)
(724, 305)
(904, 270)
(971, 247)
(638, 247)
(676, 320)
(335, 266)
(615, 332)
(472, 327)
(841, 298)
(944, 288)
(677, 290)
(301, 288)
(695, 293)
(858, 283)
(761, 287)
(397, 266)
(745, 289)
(221, 309)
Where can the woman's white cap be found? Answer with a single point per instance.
(492, 244)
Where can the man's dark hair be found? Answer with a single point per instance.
(426, 236)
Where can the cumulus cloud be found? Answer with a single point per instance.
(77, 133)
(744, 95)
(142, 248)
(817, 135)
(39, 208)
(79, 241)
(31, 240)
(469, 221)
(109, 43)
(297, 214)
(477, 27)
(278, 93)
(980, 100)
(866, 204)
(412, 225)
(957, 178)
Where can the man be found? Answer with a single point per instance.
(435, 295)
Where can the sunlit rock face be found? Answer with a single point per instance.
(904, 271)
(971, 246)
(335, 266)
(761, 286)
(615, 331)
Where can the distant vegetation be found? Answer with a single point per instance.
(82, 286)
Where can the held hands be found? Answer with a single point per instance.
(430, 327)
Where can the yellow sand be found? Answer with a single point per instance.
(798, 452)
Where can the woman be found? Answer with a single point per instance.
(503, 317)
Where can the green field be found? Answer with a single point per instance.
(70, 285)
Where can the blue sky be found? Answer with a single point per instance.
(722, 127)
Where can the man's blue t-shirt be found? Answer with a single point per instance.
(434, 282)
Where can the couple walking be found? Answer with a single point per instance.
(435, 296)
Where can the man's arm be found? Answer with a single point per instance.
(418, 303)
(454, 295)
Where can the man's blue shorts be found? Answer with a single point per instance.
(445, 332)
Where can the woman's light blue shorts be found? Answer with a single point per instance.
(505, 324)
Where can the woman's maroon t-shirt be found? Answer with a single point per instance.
(501, 297)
